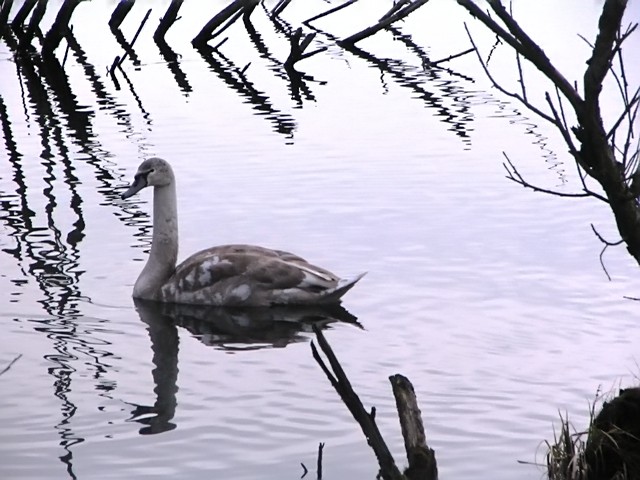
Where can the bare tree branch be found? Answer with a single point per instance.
(514, 175)
(502, 89)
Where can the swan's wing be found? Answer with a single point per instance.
(246, 274)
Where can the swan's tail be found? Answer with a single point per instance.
(344, 285)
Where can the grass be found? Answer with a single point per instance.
(609, 449)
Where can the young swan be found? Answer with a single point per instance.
(228, 275)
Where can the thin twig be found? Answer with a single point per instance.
(514, 175)
(450, 57)
(502, 89)
(328, 12)
(135, 37)
(6, 369)
(607, 244)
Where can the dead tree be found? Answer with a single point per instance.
(606, 154)
(422, 460)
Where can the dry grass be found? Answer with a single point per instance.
(602, 452)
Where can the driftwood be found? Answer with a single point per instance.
(422, 463)
(167, 20)
(119, 13)
(60, 26)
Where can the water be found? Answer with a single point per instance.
(490, 298)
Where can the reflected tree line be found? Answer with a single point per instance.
(50, 255)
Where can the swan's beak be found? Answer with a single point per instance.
(139, 182)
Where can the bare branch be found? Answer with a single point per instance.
(385, 22)
(450, 57)
(600, 60)
(6, 369)
(514, 175)
(502, 89)
(521, 42)
(328, 12)
(606, 245)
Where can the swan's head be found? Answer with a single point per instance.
(153, 172)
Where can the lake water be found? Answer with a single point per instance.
(489, 297)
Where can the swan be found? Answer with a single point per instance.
(227, 275)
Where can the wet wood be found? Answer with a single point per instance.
(207, 32)
(421, 458)
(60, 26)
(299, 44)
(169, 18)
(390, 17)
(366, 420)
(280, 6)
(119, 13)
(4, 13)
(35, 20)
(329, 12)
(23, 13)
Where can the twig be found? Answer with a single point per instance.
(330, 11)
(398, 15)
(450, 57)
(500, 87)
(306, 470)
(6, 369)
(521, 42)
(277, 10)
(135, 37)
(514, 175)
(606, 245)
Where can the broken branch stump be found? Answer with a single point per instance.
(121, 11)
(366, 420)
(167, 20)
(60, 26)
(23, 13)
(421, 458)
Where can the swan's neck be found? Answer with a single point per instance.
(164, 244)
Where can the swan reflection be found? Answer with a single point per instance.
(231, 330)
(234, 329)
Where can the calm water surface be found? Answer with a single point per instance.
(490, 298)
